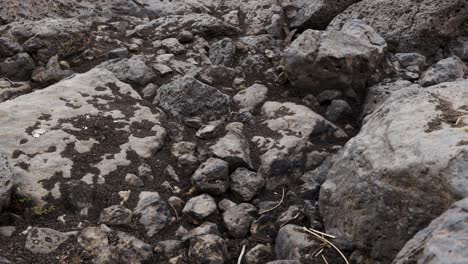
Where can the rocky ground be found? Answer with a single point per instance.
(216, 131)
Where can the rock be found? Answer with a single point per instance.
(252, 96)
(233, 147)
(188, 97)
(5, 261)
(260, 17)
(327, 96)
(79, 195)
(168, 248)
(7, 231)
(119, 53)
(421, 26)
(291, 241)
(203, 229)
(149, 91)
(185, 36)
(208, 249)
(124, 247)
(85, 123)
(294, 212)
(200, 207)
(9, 47)
(246, 184)
(443, 241)
(256, 254)
(212, 176)
(51, 73)
(217, 75)
(203, 25)
(285, 152)
(18, 67)
(92, 238)
(446, 70)
(45, 240)
(317, 14)
(132, 71)
(223, 52)
(338, 109)
(162, 68)
(10, 90)
(238, 219)
(210, 130)
(48, 37)
(380, 176)
(378, 93)
(320, 60)
(225, 204)
(414, 60)
(134, 180)
(172, 45)
(457, 47)
(116, 215)
(6, 182)
(153, 211)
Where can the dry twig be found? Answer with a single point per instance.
(317, 235)
(276, 206)
(324, 259)
(241, 255)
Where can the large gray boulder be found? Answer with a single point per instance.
(317, 14)
(48, 37)
(334, 59)
(88, 122)
(6, 182)
(188, 97)
(284, 149)
(444, 241)
(405, 167)
(410, 25)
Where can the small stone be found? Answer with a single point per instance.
(252, 96)
(209, 131)
(116, 215)
(163, 69)
(257, 254)
(212, 176)
(238, 219)
(45, 240)
(208, 249)
(246, 184)
(185, 36)
(7, 231)
(172, 45)
(203, 229)
(338, 109)
(184, 147)
(149, 91)
(225, 204)
(134, 180)
(199, 207)
(223, 52)
(153, 211)
(79, 196)
(118, 53)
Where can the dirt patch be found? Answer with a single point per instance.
(448, 115)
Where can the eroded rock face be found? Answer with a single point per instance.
(443, 241)
(404, 168)
(421, 25)
(45, 132)
(320, 60)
